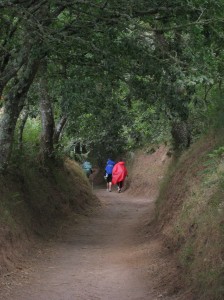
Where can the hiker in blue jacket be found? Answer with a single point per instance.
(108, 173)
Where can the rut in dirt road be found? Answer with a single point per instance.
(100, 258)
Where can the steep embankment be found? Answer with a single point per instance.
(36, 202)
(147, 170)
(187, 234)
(190, 215)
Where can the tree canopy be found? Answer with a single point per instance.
(109, 75)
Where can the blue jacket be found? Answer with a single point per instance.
(109, 166)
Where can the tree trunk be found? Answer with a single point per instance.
(13, 105)
(181, 135)
(59, 128)
(22, 122)
(47, 120)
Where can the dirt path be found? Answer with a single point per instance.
(100, 258)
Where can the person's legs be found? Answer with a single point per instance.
(120, 184)
(110, 186)
(109, 180)
(107, 184)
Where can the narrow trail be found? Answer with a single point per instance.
(100, 258)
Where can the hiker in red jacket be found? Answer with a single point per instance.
(119, 174)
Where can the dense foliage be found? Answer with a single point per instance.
(107, 76)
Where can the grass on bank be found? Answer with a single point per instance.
(190, 211)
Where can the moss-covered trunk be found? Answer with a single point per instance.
(47, 120)
(13, 105)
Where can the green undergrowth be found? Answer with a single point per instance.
(38, 202)
(190, 211)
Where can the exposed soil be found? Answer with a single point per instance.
(104, 256)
